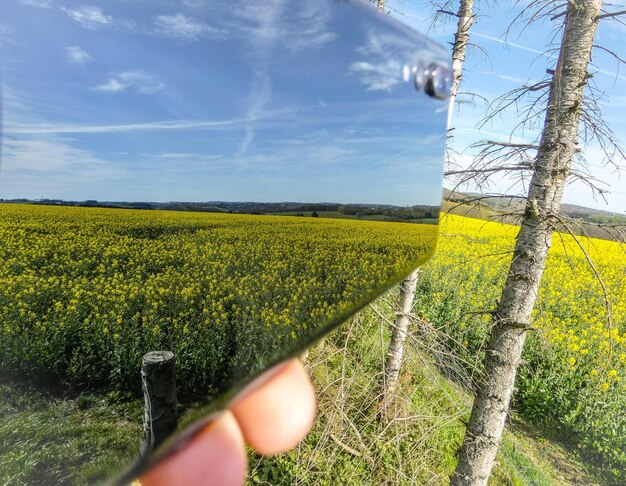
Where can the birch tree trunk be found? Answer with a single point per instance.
(461, 38)
(399, 333)
(400, 330)
(511, 318)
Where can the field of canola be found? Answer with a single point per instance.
(574, 370)
(85, 292)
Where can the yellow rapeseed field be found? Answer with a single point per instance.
(573, 316)
(574, 368)
(84, 292)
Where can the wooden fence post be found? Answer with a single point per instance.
(158, 381)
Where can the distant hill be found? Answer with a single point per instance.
(509, 209)
(423, 214)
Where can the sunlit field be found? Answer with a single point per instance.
(574, 373)
(85, 292)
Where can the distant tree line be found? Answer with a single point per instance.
(387, 212)
(392, 212)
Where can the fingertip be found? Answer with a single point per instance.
(276, 415)
(216, 456)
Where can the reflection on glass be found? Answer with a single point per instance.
(226, 181)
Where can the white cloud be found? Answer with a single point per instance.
(88, 16)
(52, 166)
(506, 77)
(303, 26)
(77, 55)
(182, 27)
(36, 3)
(112, 86)
(32, 128)
(137, 81)
(55, 157)
(194, 3)
(548, 55)
(176, 155)
(268, 28)
(513, 44)
(378, 77)
(258, 98)
(382, 58)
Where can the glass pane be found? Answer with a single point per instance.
(223, 180)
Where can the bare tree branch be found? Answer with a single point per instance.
(612, 53)
(611, 14)
(447, 12)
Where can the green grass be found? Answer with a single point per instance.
(525, 461)
(45, 439)
(50, 440)
(477, 211)
(418, 443)
(367, 217)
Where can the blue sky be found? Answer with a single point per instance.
(200, 100)
(517, 59)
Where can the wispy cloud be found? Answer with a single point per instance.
(37, 3)
(261, 29)
(44, 155)
(194, 3)
(51, 166)
(506, 77)
(137, 81)
(303, 27)
(176, 155)
(378, 68)
(47, 128)
(547, 55)
(184, 162)
(382, 76)
(258, 98)
(88, 16)
(330, 152)
(112, 85)
(182, 27)
(513, 44)
(77, 55)
(269, 29)
(611, 74)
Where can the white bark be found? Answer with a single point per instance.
(512, 315)
(399, 333)
(395, 353)
(461, 38)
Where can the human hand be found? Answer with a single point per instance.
(271, 415)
